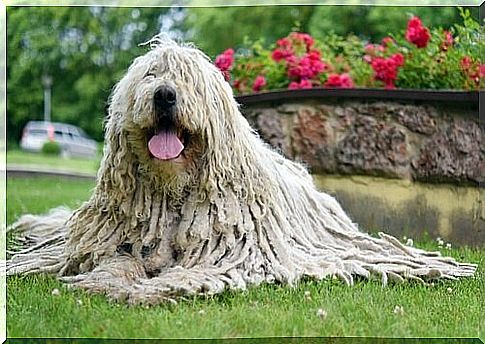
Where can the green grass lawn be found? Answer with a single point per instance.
(35, 160)
(447, 309)
(38, 195)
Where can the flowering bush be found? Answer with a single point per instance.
(417, 57)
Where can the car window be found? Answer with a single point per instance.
(38, 132)
(74, 133)
(58, 134)
(34, 126)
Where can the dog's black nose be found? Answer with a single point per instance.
(165, 97)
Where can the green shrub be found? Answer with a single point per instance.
(51, 148)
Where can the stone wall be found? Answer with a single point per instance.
(429, 142)
(409, 168)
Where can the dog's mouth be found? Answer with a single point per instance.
(167, 141)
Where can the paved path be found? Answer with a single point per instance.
(23, 171)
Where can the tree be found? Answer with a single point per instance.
(215, 29)
(84, 49)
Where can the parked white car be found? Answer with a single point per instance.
(73, 140)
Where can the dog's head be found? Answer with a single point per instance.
(174, 113)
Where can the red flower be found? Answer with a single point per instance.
(226, 74)
(367, 58)
(258, 83)
(481, 71)
(387, 41)
(314, 55)
(277, 55)
(237, 84)
(447, 40)
(292, 59)
(466, 63)
(369, 48)
(346, 80)
(305, 67)
(307, 39)
(284, 43)
(333, 80)
(305, 83)
(472, 69)
(342, 80)
(398, 59)
(283, 51)
(296, 43)
(373, 49)
(416, 33)
(300, 70)
(302, 37)
(225, 60)
(390, 86)
(385, 69)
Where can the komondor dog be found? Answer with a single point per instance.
(189, 200)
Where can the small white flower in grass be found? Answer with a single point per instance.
(409, 242)
(79, 302)
(321, 313)
(448, 246)
(307, 295)
(399, 310)
(56, 292)
(449, 290)
(440, 241)
(404, 238)
(201, 312)
(172, 301)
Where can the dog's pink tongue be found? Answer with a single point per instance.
(165, 145)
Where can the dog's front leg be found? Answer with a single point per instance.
(176, 282)
(113, 276)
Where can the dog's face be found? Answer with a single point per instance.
(169, 103)
(165, 109)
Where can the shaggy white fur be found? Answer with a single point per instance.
(229, 212)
